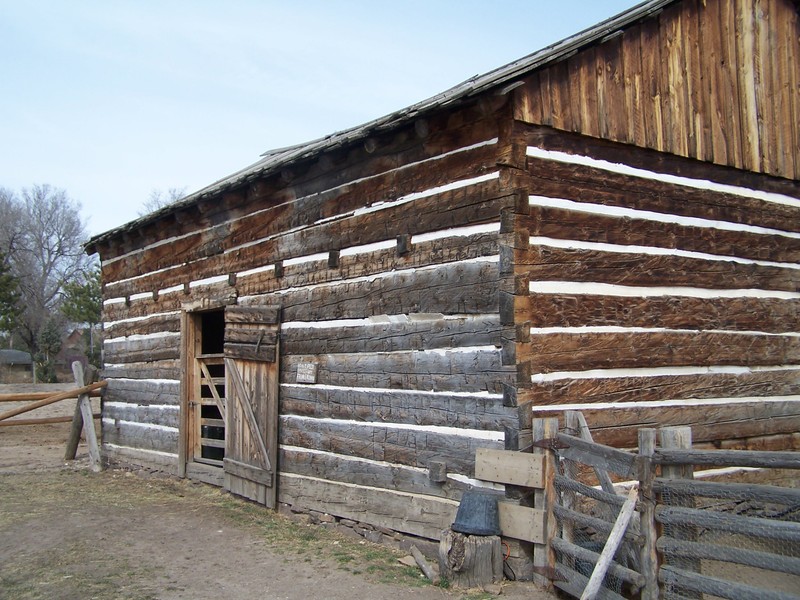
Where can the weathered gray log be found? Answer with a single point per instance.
(424, 566)
(143, 437)
(415, 447)
(470, 561)
(158, 369)
(598, 455)
(573, 583)
(647, 523)
(787, 531)
(378, 474)
(479, 411)
(481, 330)
(143, 392)
(726, 458)
(679, 438)
(89, 375)
(586, 435)
(145, 414)
(584, 554)
(729, 491)
(590, 492)
(593, 522)
(610, 548)
(417, 514)
(717, 587)
(474, 371)
(85, 407)
(137, 350)
(284, 240)
(731, 554)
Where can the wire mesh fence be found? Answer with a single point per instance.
(735, 539)
(691, 537)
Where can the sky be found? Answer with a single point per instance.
(112, 99)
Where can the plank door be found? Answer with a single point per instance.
(251, 372)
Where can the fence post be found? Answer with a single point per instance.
(649, 555)
(544, 558)
(679, 438)
(84, 406)
(88, 376)
(569, 498)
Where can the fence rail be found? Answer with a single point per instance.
(683, 529)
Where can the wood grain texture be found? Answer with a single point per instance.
(665, 387)
(424, 334)
(589, 184)
(375, 441)
(311, 178)
(401, 406)
(584, 351)
(291, 230)
(769, 315)
(710, 423)
(420, 515)
(146, 414)
(140, 437)
(549, 263)
(139, 350)
(592, 227)
(710, 85)
(347, 469)
(475, 371)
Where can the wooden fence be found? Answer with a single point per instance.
(659, 532)
(82, 418)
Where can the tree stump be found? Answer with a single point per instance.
(470, 561)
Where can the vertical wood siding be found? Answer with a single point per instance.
(715, 80)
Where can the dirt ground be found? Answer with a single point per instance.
(71, 534)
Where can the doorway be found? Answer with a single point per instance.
(206, 396)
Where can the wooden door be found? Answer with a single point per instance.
(251, 372)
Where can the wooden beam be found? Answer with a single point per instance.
(51, 399)
(518, 468)
(42, 421)
(33, 396)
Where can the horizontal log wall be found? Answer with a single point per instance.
(647, 299)
(388, 283)
(708, 79)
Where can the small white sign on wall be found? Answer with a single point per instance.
(306, 373)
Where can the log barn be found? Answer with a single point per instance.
(611, 224)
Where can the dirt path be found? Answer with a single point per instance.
(70, 534)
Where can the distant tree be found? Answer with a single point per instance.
(83, 303)
(11, 215)
(159, 199)
(49, 344)
(44, 248)
(9, 297)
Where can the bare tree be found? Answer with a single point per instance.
(45, 252)
(11, 218)
(159, 199)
